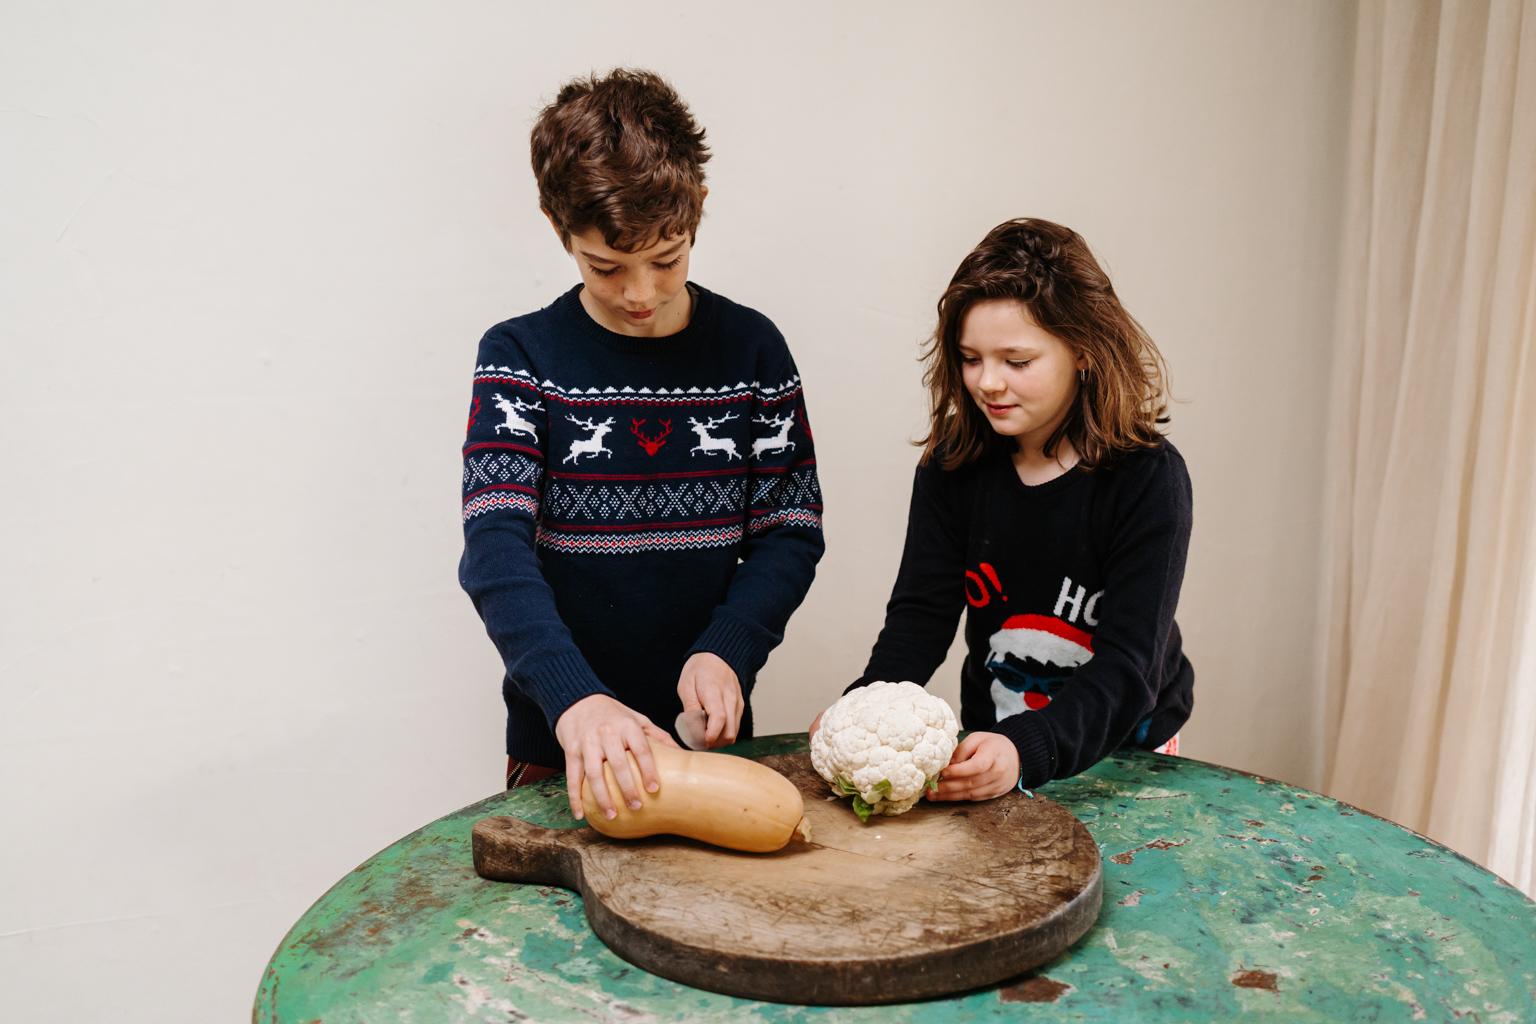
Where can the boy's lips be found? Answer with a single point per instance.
(638, 314)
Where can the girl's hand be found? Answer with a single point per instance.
(597, 729)
(985, 765)
(708, 682)
(815, 724)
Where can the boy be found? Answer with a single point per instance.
(641, 507)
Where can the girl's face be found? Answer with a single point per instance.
(1022, 377)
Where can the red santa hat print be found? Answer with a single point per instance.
(1030, 657)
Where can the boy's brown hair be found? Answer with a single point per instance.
(1050, 270)
(622, 154)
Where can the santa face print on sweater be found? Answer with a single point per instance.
(1030, 659)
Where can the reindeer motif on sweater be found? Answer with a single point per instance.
(592, 444)
(776, 442)
(515, 423)
(708, 444)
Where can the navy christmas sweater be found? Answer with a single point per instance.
(1069, 589)
(628, 502)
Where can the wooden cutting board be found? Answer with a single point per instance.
(946, 897)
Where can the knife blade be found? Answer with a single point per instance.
(692, 727)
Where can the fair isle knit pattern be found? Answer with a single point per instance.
(501, 475)
(631, 542)
(629, 395)
(490, 501)
(600, 511)
(784, 517)
(629, 502)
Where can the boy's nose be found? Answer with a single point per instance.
(640, 293)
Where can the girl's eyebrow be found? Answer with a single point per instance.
(1007, 350)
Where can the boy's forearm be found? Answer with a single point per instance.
(770, 583)
(784, 539)
(500, 573)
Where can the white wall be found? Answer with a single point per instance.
(246, 255)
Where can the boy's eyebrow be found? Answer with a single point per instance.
(659, 256)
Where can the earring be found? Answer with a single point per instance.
(1082, 376)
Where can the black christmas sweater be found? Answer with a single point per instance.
(1069, 589)
(628, 502)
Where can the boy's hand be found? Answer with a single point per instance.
(985, 765)
(708, 682)
(597, 729)
(815, 724)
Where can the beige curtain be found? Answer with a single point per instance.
(1430, 609)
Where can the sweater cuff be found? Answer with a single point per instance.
(559, 682)
(1032, 735)
(739, 644)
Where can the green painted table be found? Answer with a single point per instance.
(1227, 897)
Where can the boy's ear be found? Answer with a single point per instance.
(693, 239)
(565, 242)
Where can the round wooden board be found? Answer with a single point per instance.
(946, 897)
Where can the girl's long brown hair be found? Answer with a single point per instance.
(1050, 270)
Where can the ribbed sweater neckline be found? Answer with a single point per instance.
(700, 321)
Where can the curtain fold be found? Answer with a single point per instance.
(1430, 716)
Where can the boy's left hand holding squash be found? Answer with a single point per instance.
(600, 729)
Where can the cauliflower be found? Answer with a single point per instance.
(883, 744)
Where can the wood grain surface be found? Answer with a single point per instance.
(947, 897)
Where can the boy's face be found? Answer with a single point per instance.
(642, 293)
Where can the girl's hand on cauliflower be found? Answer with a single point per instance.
(985, 765)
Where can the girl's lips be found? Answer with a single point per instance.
(999, 410)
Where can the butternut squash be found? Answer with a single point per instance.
(715, 798)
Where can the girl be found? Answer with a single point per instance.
(1047, 503)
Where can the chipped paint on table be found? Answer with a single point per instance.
(1227, 896)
